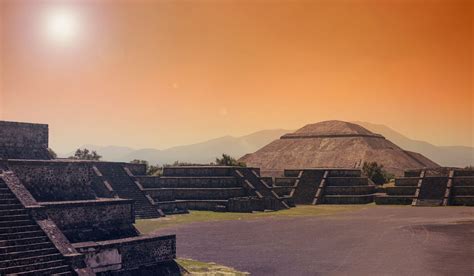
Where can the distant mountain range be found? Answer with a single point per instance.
(205, 152)
(451, 156)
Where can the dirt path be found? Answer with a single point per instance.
(374, 241)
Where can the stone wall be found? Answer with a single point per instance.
(56, 180)
(23, 140)
(201, 171)
(187, 182)
(92, 220)
(128, 254)
(136, 169)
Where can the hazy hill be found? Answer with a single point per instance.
(207, 151)
(203, 152)
(456, 156)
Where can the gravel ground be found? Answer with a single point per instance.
(382, 240)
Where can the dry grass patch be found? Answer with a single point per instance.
(150, 225)
(208, 269)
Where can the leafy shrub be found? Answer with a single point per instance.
(85, 154)
(376, 173)
(228, 160)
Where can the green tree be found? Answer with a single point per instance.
(228, 160)
(154, 170)
(85, 154)
(376, 173)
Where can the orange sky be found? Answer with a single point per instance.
(164, 73)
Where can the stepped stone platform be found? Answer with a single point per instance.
(238, 189)
(431, 187)
(71, 217)
(325, 186)
(215, 188)
(58, 207)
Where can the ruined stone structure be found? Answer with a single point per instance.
(238, 189)
(216, 188)
(324, 186)
(23, 141)
(69, 217)
(60, 208)
(333, 144)
(431, 187)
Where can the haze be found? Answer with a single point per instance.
(165, 73)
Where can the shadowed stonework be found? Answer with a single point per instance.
(23, 141)
(62, 217)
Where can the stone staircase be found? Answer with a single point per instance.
(347, 188)
(125, 187)
(24, 247)
(327, 186)
(431, 188)
(211, 188)
(307, 187)
(272, 200)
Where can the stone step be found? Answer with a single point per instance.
(348, 199)
(4, 225)
(10, 206)
(401, 190)
(349, 190)
(393, 200)
(429, 202)
(347, 181)
(197, 171)
(23, 241)
(463, 191)
(12, 218)
(30, 260)
(43, 268)
(463, 181)
(25, 247)
(282, 190)
(29, 253)
(170, 207)
(463, 200)
(19, 235)
(167, 194)
(407, 181)
(8, 200)
(189, 182)
(6, 196)
(11, 212)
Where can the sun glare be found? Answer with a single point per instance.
(61, 25)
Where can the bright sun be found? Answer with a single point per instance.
(61, 25)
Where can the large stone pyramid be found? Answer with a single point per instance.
(333, 144)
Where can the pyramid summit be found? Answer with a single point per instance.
(333, 144)
(331, 128)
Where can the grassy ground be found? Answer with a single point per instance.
(150, 225)
(208, 269)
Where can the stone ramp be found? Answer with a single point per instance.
(24, 248)
(125, 187)
(307, 187)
